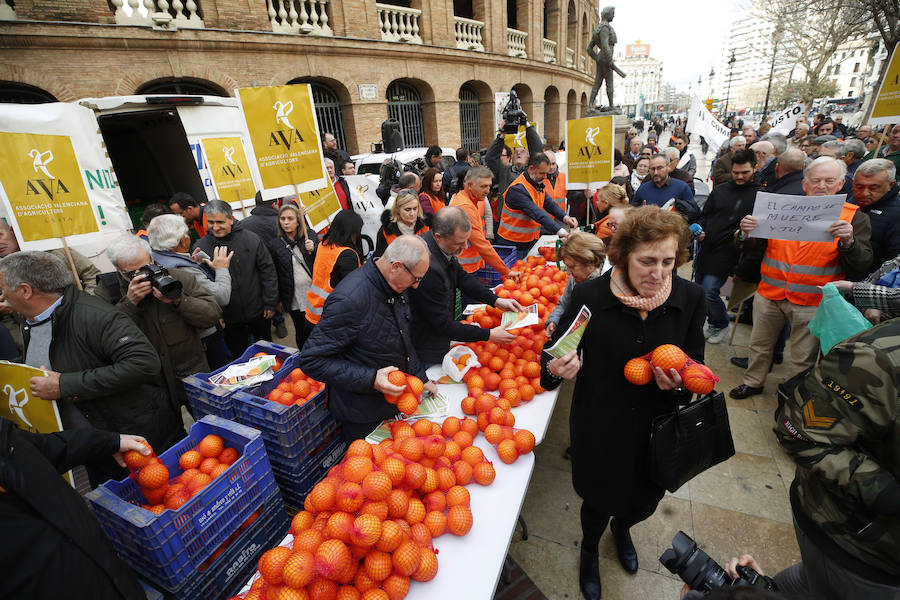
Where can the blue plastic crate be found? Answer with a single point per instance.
(287, 430)
(233, 568)
(296, 479)
(490, 277)
(208, 399)
(169, 547)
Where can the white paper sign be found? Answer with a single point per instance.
(799, 218)
(367, 205)
(702, 122)
(787, 119)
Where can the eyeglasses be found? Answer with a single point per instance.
(415, 279)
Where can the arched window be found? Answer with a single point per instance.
(405, 105)
(469, 118)
(328, 110)
(179, 87)
(20, 93)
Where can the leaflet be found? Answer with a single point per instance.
(515, 320)
(572, 337)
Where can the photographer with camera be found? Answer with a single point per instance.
(513, 117)
(170, 307)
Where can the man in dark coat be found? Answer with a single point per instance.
(789, 173)
(365, 333)
(101, 369)
(727, 204)
(722, 167)
(434, 300)
(875, 192)
(263, 219)
(254, 284)
(53, 546)
(173, 325)
(453, 177)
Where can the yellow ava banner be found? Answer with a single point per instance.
(887, 103)
(589, 151)
(229, 168)
(282, 126)
(321, 206)
(517, 139)
(43, 183)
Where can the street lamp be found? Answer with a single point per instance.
(777, 38)
(731, 62)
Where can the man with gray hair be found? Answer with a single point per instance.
(254, 284)
(875, 192)
(722, 168)
(97, 364)
(854, 150)
(433, 302)
(364, 334)
(792, 274)
(174, 320)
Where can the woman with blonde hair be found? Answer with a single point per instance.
(584, 255)
(293, 251)
(606, 198)
(640, 304)
(405, 216)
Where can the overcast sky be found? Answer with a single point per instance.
(686, 36)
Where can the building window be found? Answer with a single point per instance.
(405, 105)
(20, 93)
(856, 68)
(192, 87)
(328, 112)
(469, 118)
(512, 14)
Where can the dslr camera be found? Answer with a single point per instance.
(159, 278)
(702, 573)
(513, 115)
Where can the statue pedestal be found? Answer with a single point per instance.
(623, 124)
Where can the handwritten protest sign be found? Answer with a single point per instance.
(799, 218)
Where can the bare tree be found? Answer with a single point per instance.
(885, 15)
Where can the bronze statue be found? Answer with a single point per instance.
(601, 50)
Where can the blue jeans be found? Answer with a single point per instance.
(716, 313)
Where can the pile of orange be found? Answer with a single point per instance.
(409, 399)
(367, 529)
(697, 378)
(548, 252)
(200, 466)
(296, 388)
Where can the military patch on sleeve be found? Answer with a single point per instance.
(816, 421)
(842, 393)
(792, 429)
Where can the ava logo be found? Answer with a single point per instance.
(590, 133)
(228, 151)
(362, 189)
(590, 149)
(284, 137)
(41, 160)
(282, 110)
(519, 139)
(47, 185)
(17, 401)
(234, 169)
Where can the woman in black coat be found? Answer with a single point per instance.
(293, 252)
(638, 305)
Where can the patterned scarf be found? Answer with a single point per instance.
(622, 290)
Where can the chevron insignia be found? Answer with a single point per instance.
(815, 421)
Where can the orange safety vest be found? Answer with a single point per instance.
(390, 237)
(558, 191)
(326, 257)
(793, 270)
(515, 225)
(200, 228)
(470, 259)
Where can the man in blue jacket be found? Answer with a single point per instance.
(364, 334)
(875, 192)
(434, 300)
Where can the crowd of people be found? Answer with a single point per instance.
(194, 287)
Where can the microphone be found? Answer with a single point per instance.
(696, 230)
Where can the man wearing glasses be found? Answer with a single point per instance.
(364, 334)
(792, 273)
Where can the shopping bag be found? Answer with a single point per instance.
(835, 319)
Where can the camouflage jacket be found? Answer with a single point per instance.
(841, 426)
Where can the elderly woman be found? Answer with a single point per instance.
(170, 241)
(405, 216)
(638, 305)
(293, 252)
(584, 255)
(607, 198)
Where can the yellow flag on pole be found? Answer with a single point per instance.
(228, 168)
(589, 151)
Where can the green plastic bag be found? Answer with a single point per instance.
(836, 319)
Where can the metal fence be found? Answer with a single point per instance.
(405, 105)
(469, 118)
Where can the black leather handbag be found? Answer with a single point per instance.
(690, 440)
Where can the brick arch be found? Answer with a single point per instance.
(128, 85)
(39, 80)
(344, 97)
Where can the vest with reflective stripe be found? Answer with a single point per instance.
(390, 237)
(470, 259)
(793, 270)
(558, 191)
(326, 257)
(515, 225)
